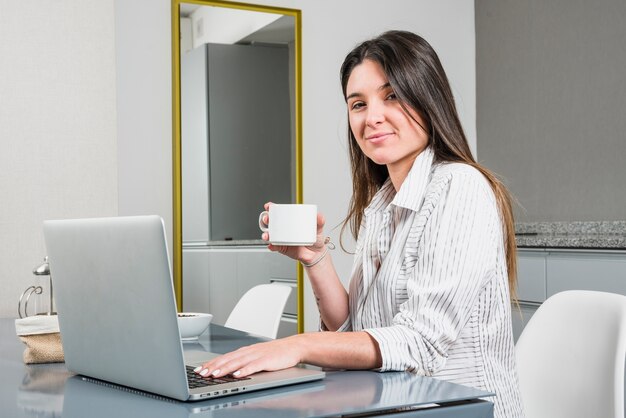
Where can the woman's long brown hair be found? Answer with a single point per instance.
(420, 83)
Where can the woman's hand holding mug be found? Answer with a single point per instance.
(294, 230)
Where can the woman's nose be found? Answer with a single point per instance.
(375, 115)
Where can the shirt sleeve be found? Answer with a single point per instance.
(346, 326)
(456, 256)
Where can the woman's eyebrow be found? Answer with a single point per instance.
(351, 95)
(358, 94)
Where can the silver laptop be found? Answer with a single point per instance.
(117, 311)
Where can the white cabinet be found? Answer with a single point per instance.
(531, 272)
(601, 271)
(214, 279)
(531, 287)
(521, 316)
(543, 273)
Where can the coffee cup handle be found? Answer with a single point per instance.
(262, 225)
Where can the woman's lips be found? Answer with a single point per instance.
(378, 137)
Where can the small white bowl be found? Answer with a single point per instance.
(192, 324)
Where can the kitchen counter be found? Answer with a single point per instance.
(574, 235)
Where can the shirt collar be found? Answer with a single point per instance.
(411, 193)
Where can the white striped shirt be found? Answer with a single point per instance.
(430, 282)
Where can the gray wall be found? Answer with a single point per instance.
(249, 136)
(551, 100)
(236, 138)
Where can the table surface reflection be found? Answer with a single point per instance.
(51, 391)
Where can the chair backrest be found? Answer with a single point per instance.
(570, 356)
(259, 310)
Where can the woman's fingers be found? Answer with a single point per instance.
(233, 367)
(248, 369)
(320, 223)
(283, 249)
(266, 220)
(226, 364)
(271, 355)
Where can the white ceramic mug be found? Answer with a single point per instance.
(290, 224)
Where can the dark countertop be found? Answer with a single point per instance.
(572, 235)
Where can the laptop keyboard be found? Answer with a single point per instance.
(196, 381)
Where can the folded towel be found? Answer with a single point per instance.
(38, 324)
(41, 335)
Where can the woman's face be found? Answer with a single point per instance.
(384, 131)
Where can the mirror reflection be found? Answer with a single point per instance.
(239, 117)
(237, 124)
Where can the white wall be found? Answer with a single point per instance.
(144, 108)
(57, 127)
(329, 31)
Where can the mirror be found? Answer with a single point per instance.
(236, 144)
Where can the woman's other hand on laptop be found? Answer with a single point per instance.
(268, 356)
(338, 350)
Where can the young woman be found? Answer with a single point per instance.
(434, 269)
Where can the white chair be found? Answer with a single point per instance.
(570, 357)
(259, 310)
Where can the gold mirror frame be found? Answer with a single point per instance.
(176, 135)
